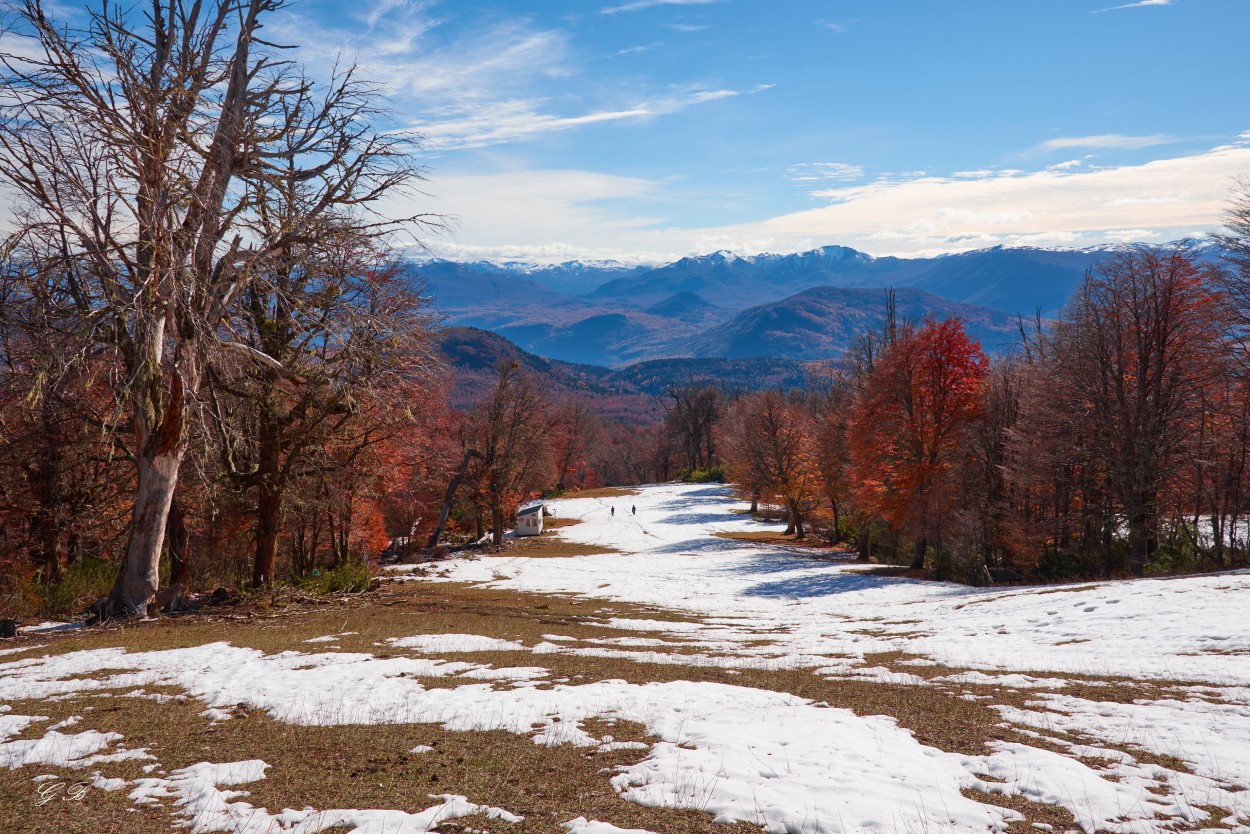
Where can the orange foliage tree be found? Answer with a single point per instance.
(906, 426)
(769, 446)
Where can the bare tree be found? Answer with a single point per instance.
(1136, 348)
(692, 415)
(143, 141)
(577, 429)
(508, 430)
(1234, 278)
(63, 462)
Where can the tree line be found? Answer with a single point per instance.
(1113, 439)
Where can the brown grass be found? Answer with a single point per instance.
(554, 523)
(602, 492)
(548, 545)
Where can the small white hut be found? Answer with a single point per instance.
(529, 520)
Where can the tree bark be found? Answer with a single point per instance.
(796, 518)
(917, 559)
(48, 489)
(496, 521)
(268, 514)
(865, 542)
(140, 572)
(269, 489)
(179, 553)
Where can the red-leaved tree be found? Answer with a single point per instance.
(906, 426)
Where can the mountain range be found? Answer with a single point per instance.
(802, 307)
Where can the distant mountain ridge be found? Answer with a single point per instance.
(608, 313)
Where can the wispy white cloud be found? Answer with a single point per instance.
(985, 173)
(482, 124)
(635, 50)
(817, 172)
(1137, 5)
(507, 82)
(639, 5)
(686, 27)
(1157, 201)
(383, 9)
(511, 56)
(1105, 141)
(964, 217)
(840, 27)
(549, 215)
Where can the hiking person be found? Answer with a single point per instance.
(633, 510)
(613, 510)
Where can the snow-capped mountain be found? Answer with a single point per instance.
(608, 313)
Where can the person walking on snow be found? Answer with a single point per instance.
(613, 511)
(633, 510)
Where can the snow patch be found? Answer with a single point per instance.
(207, 808)
(57, 749)
(581, 825)
(450, 643)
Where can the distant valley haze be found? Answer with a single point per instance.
(802, 307)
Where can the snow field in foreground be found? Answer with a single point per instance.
(733, 752)
(737, 753)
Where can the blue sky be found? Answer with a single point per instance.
(645, 130)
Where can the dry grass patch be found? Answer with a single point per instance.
(559, 522)
(1035, 813)
(551, 546)
(603, 492)
(338, 767)
(396, 609)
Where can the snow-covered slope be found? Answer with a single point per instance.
(1191, 629)
(1177, 759)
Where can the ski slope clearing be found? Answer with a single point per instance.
(765, 608)
(1190, 629)
(1126, 705)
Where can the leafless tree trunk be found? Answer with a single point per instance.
(179, 545)
(1122, 381)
